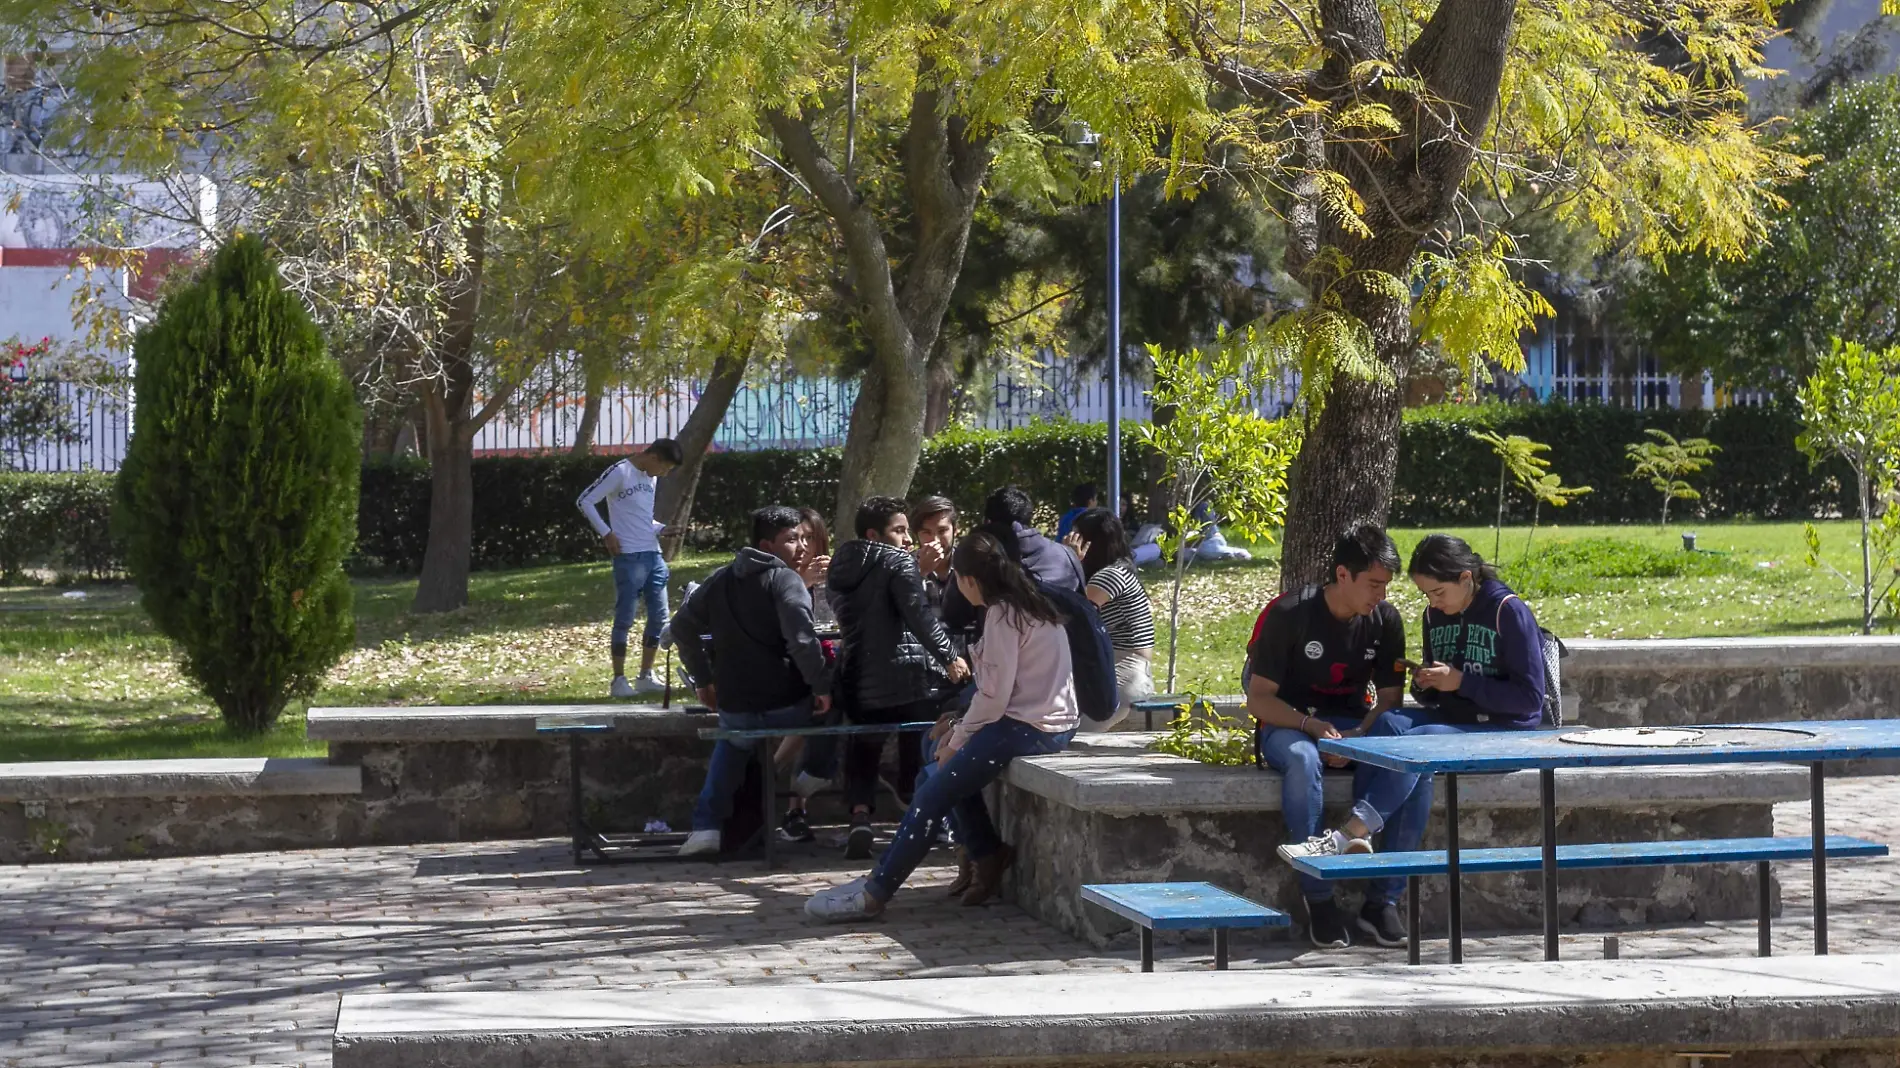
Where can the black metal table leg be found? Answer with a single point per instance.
(1147, 950)
(769, 802)
(575, 823)
(1547, 787)
(1411, 919)
(1451, 870)
(1763, 899)
(1818, 828)
(1220, 949)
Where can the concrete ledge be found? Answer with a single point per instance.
(475, 723)
(1251, 1016)
(1115, 775)
(79, 780)
(1596, 655)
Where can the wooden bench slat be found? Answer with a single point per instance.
(1182, 906)
(1594, 855)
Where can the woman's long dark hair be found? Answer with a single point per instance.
(820, 534)
(981, 558)
(1107, 540)
(1445, 558)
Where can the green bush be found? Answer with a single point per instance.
(1446, 478)
(237, 499)
(61, 522)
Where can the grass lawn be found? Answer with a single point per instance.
(88, 679)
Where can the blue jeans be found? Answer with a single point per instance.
(1402, 799)
(638, 578)
(1302, 798)
(726, 770)
(957, 787)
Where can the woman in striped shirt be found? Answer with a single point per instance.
(1128, 616)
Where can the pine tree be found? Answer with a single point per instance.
(237, 498)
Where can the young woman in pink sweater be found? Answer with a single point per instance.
(1024, 706)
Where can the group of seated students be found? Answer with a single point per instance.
(1328, 661)
(965, 633)
(931, 628)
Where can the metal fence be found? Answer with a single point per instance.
(791, 412)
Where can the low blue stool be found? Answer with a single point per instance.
(1182, 907)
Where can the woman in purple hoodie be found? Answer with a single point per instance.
(1483, 671)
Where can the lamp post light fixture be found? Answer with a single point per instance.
(1083, 135)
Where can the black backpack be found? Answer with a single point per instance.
(1092, 654)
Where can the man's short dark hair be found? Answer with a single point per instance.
(1363, 546)
(876, 513)
(1009, 505)
(768, 521)
(667, 449)
(928, 508)
(1084, 495)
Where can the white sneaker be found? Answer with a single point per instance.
(621, 687)
(1330, 844)
(649, 683)
(700, 844)
(807, 785)
(844, 904)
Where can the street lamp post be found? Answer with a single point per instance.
(1114, 500)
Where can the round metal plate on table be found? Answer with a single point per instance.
(1696, 737)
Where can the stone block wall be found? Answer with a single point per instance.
(1060, 848)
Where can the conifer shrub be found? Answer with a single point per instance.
(237, 498)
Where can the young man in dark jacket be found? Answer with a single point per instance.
(764, 667)
(1008, 514)
(897, 666)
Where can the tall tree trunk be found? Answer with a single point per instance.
(1343, 475)
(885, 440)
(940, 387)
(443, 586)
(590, 415)
(673, 501)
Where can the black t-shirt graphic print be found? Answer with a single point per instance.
(1323, 664)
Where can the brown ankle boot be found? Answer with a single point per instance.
(989, 875)
(966, 871)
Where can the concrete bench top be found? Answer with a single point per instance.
(1113, 775)
(475, 723)
(1651, 654)
(1092, 1019)
(225, 777)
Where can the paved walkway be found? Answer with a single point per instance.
(241, 960)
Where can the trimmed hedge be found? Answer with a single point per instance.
(62, 522)
(1448, 479)
(525, 512)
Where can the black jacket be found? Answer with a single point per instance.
(1045, 560)
(762, 654)
(895, 650)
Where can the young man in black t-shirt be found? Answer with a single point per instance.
(1324, 662)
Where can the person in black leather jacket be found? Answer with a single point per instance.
(897, 664)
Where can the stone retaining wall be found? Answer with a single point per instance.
(1066, 838)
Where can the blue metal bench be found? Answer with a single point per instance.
(1761, 851)
(1182, 907)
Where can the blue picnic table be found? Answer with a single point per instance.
(1800, 742)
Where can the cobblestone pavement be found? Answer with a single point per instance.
(241, 959)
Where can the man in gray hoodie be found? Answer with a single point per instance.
(745, 636)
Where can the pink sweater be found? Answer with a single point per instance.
(1022, 671)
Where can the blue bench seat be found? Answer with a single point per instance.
(1760, 851)
(1182, 907)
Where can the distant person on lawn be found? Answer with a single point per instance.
(632, 537)
(1483, 671)
(1024, 705)
(1081, 499)
(898, 665)
(765, 668)
(1317, 655)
